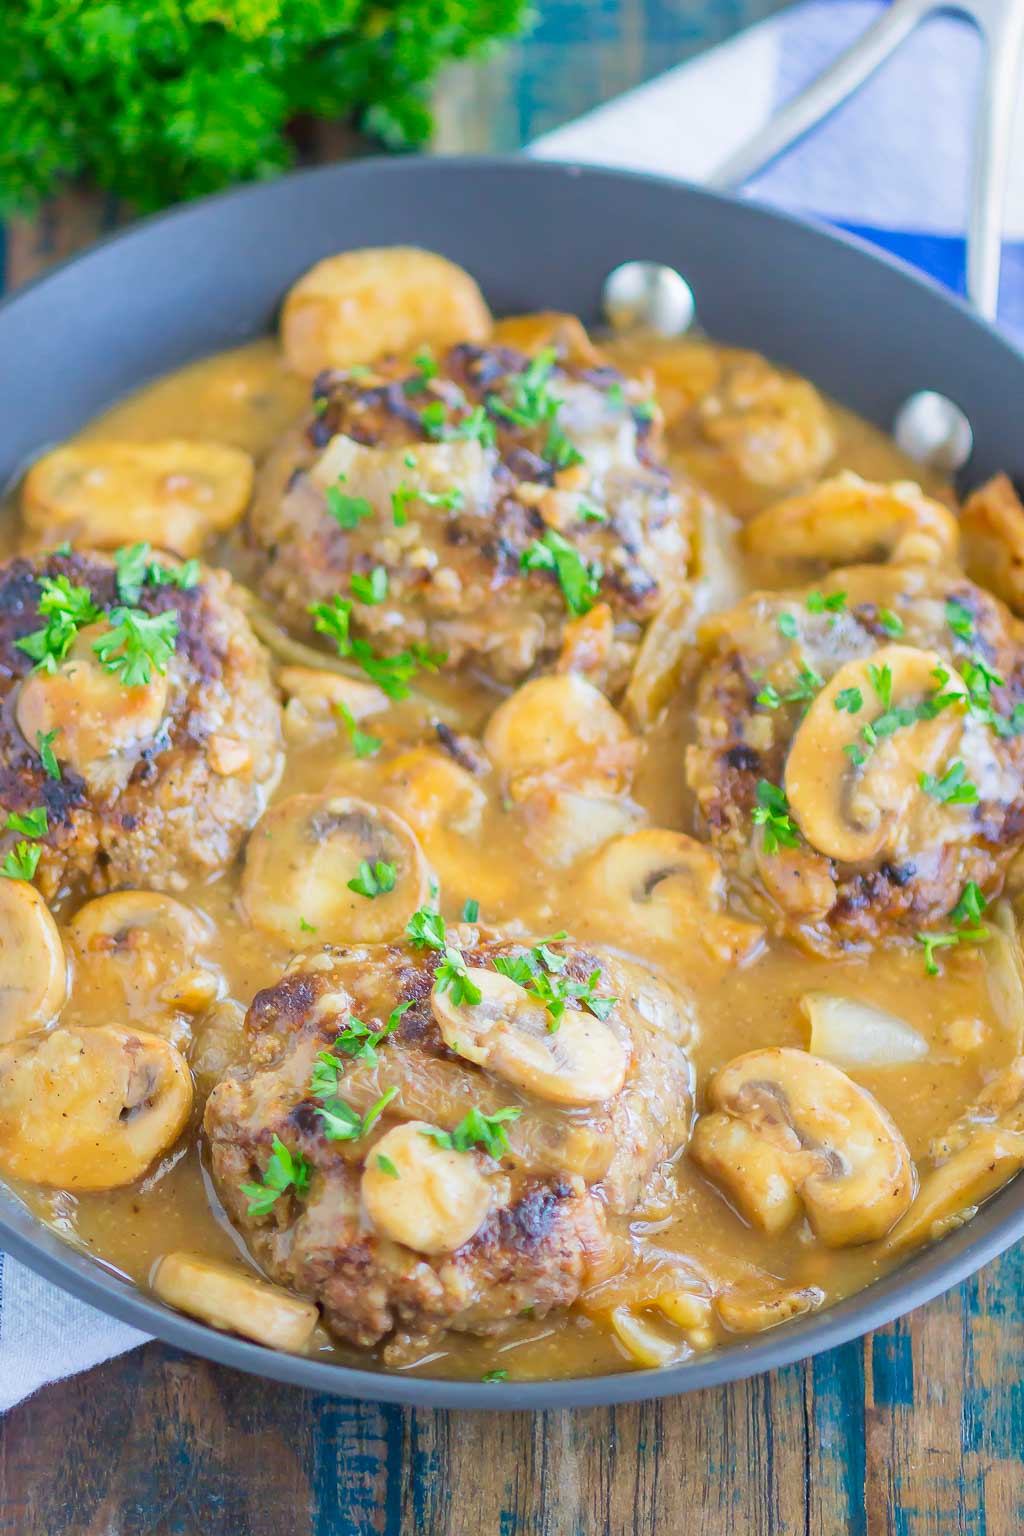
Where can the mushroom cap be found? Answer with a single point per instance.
(425, 1196)
(33, 968)
(88, 1109)
(302, 855)
(851, 812)
(509, 1033)
(561, 727)
(228, 1298)
(844, 1154)
(137, 954)
(846, 520)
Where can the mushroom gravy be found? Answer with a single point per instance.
(970, 1017)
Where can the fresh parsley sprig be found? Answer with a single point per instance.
(477, 1130)
(285, 1170)
(580, 580)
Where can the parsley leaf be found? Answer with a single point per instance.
(426, 929)
(343, 1123)
(477, 1130)
(971, 906)
(960, 620)
(786, 625)
(371, 589)
(580, 582)
(285, 1170)
(33, 824)
(849, 699)
(44, 746)
(348, 511)
(452, 976)
(363, 744)
(951, 789)
(66, 609)
(890, 622)
(817, 602)
(471, 911)
(772, 813)
(373, 879)
(385, 1165)
(136, 643)
(22, 862)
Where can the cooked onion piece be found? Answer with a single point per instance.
(645, 1343)
(318, 701)
(1004, 970)
(775, 429)
(847, 520)
(851, 813)
(361, 304)
(305, 852)
(235, 1302)
(668, 645)
(826, 1138)
(979, 1153)
(140, 955)
(753, 1311)
(99, 719)
(217, 1044)
(855, 1034)
(508, 1032)
(90, 1108)
(562, 728)
(174, 494)
(33, 970)
(425, 1196)
(992, 524)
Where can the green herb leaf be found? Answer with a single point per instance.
(385, 1165)
(44, 746)
(817, 602)
(363, 744)
(787, 626)
(33, 824)
(285, 1170)
(136, 643)
(971, 906)
(494, 1376)
(373, 879)
(371, 589)
(772, 813)
(426, 929)
(452, 976)
(890, 622)
(849, 699)
(477, 1130)
(348, 511)
(471, 911)
(66, 609)
(22, 861)
(952, 788)
(960, 620)
(580, 582)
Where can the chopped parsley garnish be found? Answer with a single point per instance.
(881, 682)
(348, 511)
(971, 906)
(849, 699)
(33, 823)
(433, 419)
(772, 813)
(890, 622)
(426, 929)
(960, 620)
(471, 911)
(590, 514)
(66, 609)
(426, 369)
(136, 643)
(644, 410)
(136, 568)
(371, 589)
(539, 970)
(373, 879)
(769, 697)
(343, 1123)
(285, 1170)
(22, 861)
(817, 602)
(363, 744)
(494, 1376)
(476, 427)
(385, 1165)
(786, 625)
(452, 976)
(807, 684)
(358, 1041)
(531, 404)
(392, 674)
(477, 1130)
(579, 580)
(968, 911)
(952, 788)
(305, 927)
(44, 746)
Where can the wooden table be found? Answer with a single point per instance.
(916, 1429)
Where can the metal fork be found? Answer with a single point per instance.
(1001, 24)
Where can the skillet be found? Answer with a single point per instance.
(536, 235)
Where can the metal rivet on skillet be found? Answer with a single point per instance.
(646, 296)
(932, 430)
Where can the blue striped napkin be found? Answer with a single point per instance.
(891, 165)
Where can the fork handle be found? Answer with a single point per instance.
(1004, 52)
(806, 110)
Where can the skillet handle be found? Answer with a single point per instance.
(1002, 24)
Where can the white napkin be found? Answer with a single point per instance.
(892, 164)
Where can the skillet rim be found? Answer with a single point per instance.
(927, 1274)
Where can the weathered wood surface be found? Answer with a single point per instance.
(915, 1431)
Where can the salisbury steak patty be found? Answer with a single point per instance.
(444, 476)
(141, 718)
(499, 1144)
(859, 758)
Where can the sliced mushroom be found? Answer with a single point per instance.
(829, 1140)
(100, 723)
(90, 1108)
(363, 304)
(174, 494)
(33, 970)
(665, 885)
(508, 1032)
(776, 429)
(560, 728)
(847, 521)
(755, 1173)
(754, 1311)
(848, 812)
(669, 643)
(139, 954)
(301, 857)
(547, 328)
(425, 1196)
(229, 1299)
(992, 524)
(979, 1153)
